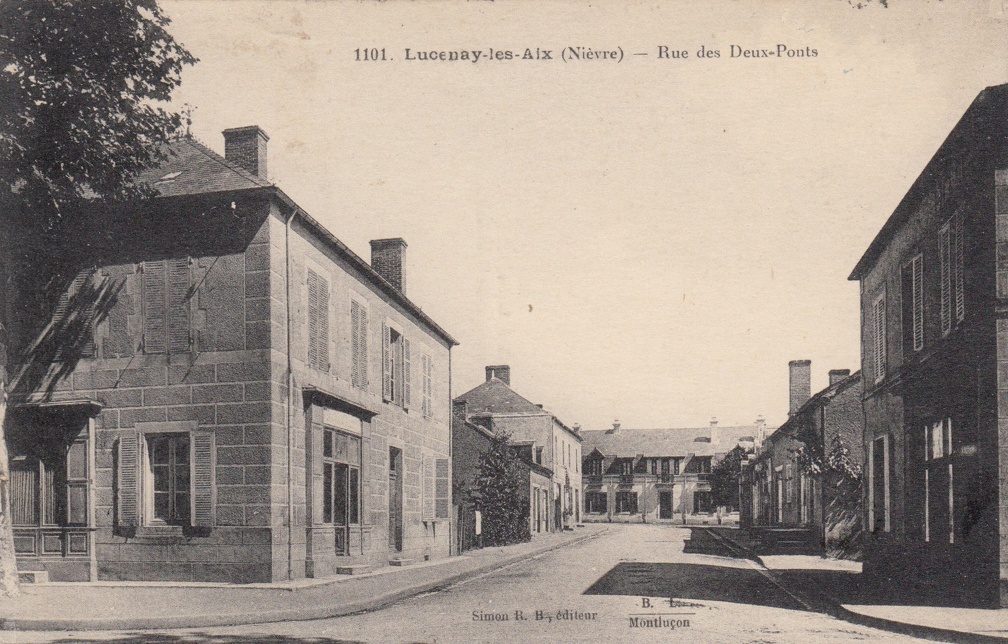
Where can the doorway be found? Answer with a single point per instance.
(664, 505)
(395, 500)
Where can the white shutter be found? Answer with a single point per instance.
(943, 253)
(960, 300)
(387, 366)
(918, 302)
(407, 370)
(879, 338)
(128, 479)
(442, 489)
(428, 500)
(202, 460)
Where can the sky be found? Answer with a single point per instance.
(650, 240)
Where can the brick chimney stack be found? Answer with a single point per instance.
(460, 410)
(615, 428)
(388, 258)
(836, 375)
(501, 372)
(800, 384)
(246, 148)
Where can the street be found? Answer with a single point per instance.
(632, 583)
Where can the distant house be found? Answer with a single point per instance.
(469, 442)
(934, 354)
(549, 442)
(656, 474)
(783, 485)
(225, 392)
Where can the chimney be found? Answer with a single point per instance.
(836, 375)
(387, 260)
(713, 421)
(501, 372)
(615, 428)
(245, 147)
(460, 409)
(800, 384)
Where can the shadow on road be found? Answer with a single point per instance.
(142, 637)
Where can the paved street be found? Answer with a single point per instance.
(587, 592)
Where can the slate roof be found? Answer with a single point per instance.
(192, 168)
(668, 442)
(494, 396)
(981, 125)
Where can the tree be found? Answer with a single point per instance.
(502, 494)
(724, 478)
(84, 91)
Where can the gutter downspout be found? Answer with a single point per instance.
(290, 401)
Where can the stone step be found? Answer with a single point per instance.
(353, 569)
(399, 561)
(33, 576)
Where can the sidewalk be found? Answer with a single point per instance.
(129, 606)
(834, 587)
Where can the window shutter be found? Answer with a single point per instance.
(442, 489)
(943, 252)
(178, 305)
(154, 324)
(362, 335)
(960, 301)
(918, 303)
(323, 325)
(406, 373)
(879, 339)
(428, 488)
(355, 362)
(386, 363)
(202, 460)
(75, 320)
(313, 319)
(127, 479)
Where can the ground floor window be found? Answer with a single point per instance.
(341, 481)
(49, 483)
(595, 502)
(626, 502)
(879, 457)
(939, 499)
(168, 473)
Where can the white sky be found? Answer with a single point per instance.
(651, 240)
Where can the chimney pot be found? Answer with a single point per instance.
(501, 372)
(836, 375)
(800, 384)
(387, 259)
(245, 147)
(713, 421)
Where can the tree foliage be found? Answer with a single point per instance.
(84, 86)
(724, 478)
(502, 494)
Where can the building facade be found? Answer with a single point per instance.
(549, 442)
(789, 483)
(934, 330)
(654, 475)
(225, 392)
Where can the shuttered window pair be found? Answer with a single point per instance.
(950, 250)
(165, 478)
(73, 319)
(396, 367)
(318, 321)
(165, 299)
(436, 501)
(427, 373)
(359, 345)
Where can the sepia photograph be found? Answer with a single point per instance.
(503, 321)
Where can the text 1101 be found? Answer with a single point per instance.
(370, 54)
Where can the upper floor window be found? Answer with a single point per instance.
(950, 251)
(358, 345)
(165, 298)
(395, 367)
(626, 468)
(318, 321)
(427, 379)
(913, 305)
(878, 337)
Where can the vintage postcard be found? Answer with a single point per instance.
(504, 321)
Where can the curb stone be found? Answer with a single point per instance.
(279, 615)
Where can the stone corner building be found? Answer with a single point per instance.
(226, 392)
(934, 329)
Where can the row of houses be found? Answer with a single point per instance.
(932, 393)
